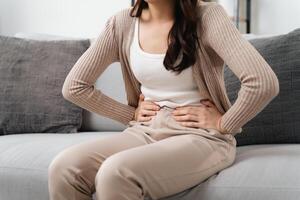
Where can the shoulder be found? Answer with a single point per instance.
(123, 13)
(121, 21)
(205, 8)
(212, 16)
(122, 17)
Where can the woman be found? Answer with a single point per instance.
(180, 123)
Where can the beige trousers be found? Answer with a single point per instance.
(157, 158)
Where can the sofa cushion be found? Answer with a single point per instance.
(24, 161)
(279, 121)
(259, 172)
(49, 37)
(32, 73)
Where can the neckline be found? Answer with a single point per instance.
(151, 55)
(136, 84)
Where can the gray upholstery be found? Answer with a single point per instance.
(24, 160)
(260, 172)
(31, 77)
(279, 122)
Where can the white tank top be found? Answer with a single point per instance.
(163, 87)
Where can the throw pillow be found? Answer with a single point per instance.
(32, 73)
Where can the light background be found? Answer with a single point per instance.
(78, 18)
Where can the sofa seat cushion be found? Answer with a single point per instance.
(24, 161)
(260, 172)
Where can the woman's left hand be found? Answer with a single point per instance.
(202, 116)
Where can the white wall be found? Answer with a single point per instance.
(74, 18)
(230, 7)
(268, 16)
(86, 18)
(275, 16)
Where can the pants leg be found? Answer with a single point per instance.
(71, 174)
(176, 159)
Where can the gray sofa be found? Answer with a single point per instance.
(260, 172)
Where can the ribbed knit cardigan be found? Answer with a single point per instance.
(220, 43)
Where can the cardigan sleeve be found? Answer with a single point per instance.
(259, 83)
(79, 85)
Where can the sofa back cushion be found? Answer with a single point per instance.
(32, 73)
(279, 122)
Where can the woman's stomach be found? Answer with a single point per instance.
(172, 99)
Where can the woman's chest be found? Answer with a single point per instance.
(153, 38)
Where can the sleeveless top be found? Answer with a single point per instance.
(158, 84)
(163, 87)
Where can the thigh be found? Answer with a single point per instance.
(173, 164)
(84, 159)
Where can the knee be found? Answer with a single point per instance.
(58, 171)
(109, 168)
(115, 168)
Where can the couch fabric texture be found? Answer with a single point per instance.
(31, 77)
(279, 122)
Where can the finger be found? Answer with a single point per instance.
(187, 117)
(186, 110)
(151, 102)
(208, 103)
(190, 124)
(179, 112)
(148, 112)
(150, 106)
(145, 118)
(141, 97)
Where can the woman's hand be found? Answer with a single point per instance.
(203, 116)
(145, 110)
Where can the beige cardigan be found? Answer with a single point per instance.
(221, 42)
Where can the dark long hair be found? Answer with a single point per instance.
(182, 36)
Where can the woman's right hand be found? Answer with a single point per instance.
(145, 110)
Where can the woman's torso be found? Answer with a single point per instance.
(158, 84)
